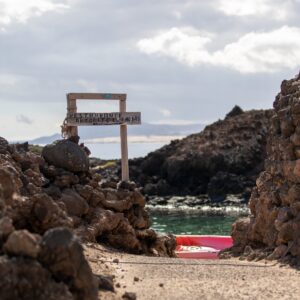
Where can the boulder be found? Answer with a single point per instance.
(67, 155)
(26, 279)
(22, 243)
(75, 204)
(47, 214)
(63, 255)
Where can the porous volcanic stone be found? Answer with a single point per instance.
(67, 155)
(63, 255)
(274, 226)
(22, 243)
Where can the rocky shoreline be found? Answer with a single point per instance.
(224, 159)
(49, 205)
(232, 205)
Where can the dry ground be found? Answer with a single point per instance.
(171, 278)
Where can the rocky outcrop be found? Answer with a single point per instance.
(273, 230)
(94, 208)
(225, 158)
(47, 211)
(24, 253)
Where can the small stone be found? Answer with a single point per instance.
(105, 283)
(22, 243)
(129, 296)
(136, 279)
(104, 183)
(161, 284)
(126, 185)
(278, 252)
(116, 261)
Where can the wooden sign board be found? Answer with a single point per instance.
(114, 118)
(122, 118)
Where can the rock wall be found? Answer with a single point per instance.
(48, 204)
(273, 230)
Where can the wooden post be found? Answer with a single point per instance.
(72, 108)
(124, 145)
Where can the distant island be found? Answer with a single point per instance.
(144, 133)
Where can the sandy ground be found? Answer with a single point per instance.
(172, 278)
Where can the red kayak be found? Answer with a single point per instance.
(201, 246)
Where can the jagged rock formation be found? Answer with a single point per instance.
(36, 264)
(273, 229)
(46, 210)
(225, 158)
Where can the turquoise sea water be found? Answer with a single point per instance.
(192, 223)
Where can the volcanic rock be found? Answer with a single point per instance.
(63, 255)
(105, 283)
(275, 201)
(27, 279)
(43, 205)
(67, 155)
(225, 158)
(6, 227)
(75, 204)
(22, 243)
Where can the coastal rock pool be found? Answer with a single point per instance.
(178, 222)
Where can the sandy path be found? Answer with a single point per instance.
(194, 279)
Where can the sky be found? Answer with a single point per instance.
(178, 61)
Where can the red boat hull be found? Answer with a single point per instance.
(201, 246)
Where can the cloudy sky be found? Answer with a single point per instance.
(178, 61)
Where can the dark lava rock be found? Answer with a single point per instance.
(26, 279)
(67, 155)
(225, 158)
(234, 112)
(63, 255)
(273, 229)
(22, 243)
(4, 146)
(129, 296)
(224, 183)
(105, 283)
(75, 204)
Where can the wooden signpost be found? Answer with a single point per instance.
(122, 118)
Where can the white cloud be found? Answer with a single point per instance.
(258, 8)
(183, 44)
(165, 112)
(22, 10)
(263, 51)
(24, 119)
(177, 14)
(254, 52)
(8, 80)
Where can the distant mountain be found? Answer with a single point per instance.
(45, 139)
(146, 129)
